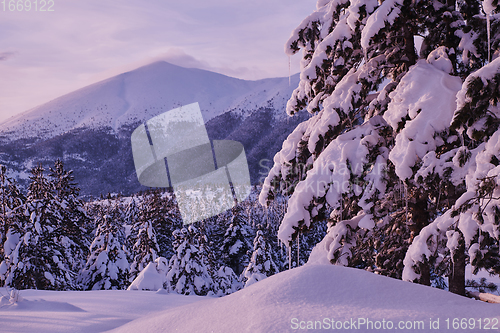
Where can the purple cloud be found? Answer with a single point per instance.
(6, 55)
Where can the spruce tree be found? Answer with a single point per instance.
(71, 232)
(13, 222)
(4, 208)
(468, 231)
(261, 264)
(39, 261)
(225, 282)
(131, 218)
(132, 211)
(107, 266)
(145, 249)
(375, 160)
(188, 271)
(164, 219)
(236, 243)
(273, 215)
(11, 204)
(215, 231)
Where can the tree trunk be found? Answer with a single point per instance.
(409, 46)
(425, 274)
(456, 279)
(420, 218)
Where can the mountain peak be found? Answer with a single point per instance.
(143, 93)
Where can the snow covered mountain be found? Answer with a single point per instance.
(141, 94)
(89, 129)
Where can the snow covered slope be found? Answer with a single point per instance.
(143, 93)
(301, 297)
(323, 295)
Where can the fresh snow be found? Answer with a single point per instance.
(387, 12)
(486, 73)
(313, 292)
(152, 277)
(334, 241)
(18, 303)
(428, 116)
(316, 293)
(330, 176)
(82, 311)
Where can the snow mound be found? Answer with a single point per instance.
(313, 293)
(152, 277)
(103, 310)
(8, 304)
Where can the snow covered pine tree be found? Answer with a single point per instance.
(39, 260)
(261, 264)
(4, 208)
(162, 214)
(132, 211)
(236, 243)
(71, 233)
(469, 230)
(12, 220)
(145, 249)
(385, 149)
(188, 272)
(10, 200)
(107, 266)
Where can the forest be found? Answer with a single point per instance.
(53, 240)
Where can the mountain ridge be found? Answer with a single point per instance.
(89, 129)
(141, 94)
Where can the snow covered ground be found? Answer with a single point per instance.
(311, 298)
(83, 311)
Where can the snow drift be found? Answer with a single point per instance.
(152, 277)
(318, 294)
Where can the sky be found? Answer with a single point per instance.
(44, 55)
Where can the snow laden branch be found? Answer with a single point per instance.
(342, 109)
(474, 216)
(329, 38)
(352, 165)
(416, 115)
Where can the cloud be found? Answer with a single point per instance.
(86, 41)
(178, 57)
(6, 55)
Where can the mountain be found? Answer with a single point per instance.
(89, 129)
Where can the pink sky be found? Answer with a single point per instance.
(44, 55)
